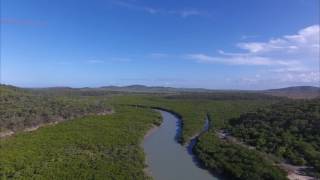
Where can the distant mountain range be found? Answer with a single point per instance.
(158, 89)
(296, 92)
(293, 92)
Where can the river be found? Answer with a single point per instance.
(169, 160)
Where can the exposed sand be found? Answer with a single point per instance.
(295, 172)
(294, 176)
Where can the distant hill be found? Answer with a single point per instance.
(296, 92)
(152, 89)
(11, 90)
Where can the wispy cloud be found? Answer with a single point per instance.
(133, 6)
(108, 60)
(288, 50)
(290, 59)
(287, 59)
(240, 59)
(184, 13)
(22, 22)
(279, 79)
(305, 42)
(187, 13)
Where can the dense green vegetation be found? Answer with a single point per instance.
(193, 111)
(235, 161)
(289, 130)
(219, 156)
(192, 114)
(108, 146)
(93, 147)
(21, 109)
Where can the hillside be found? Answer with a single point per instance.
(151, 89)
(22, 108)
(296, 92)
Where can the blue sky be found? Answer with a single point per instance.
(218, 44)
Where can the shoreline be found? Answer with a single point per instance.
(152, 130)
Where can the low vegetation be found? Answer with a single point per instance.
(93, 147)
(235, 161)
(194, 111)
(218, 156)
(290, 130)
(21, 109)
(107, 147)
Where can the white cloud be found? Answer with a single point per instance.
(133, 6)
(290, 50)
(303, 44)
(184, 13)
(281, 79)
(291, 58)
(252, 47)
(110, 59)
(304, 77)
(240, 59)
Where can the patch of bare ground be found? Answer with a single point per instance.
(9, 133)
(6, 133)
(106, 112)
(296, 172)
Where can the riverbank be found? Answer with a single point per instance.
(152, 130)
